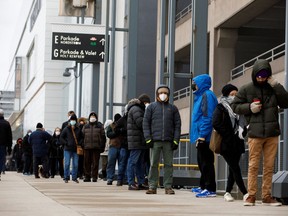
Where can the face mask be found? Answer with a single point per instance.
(57, 133)
(193, 87)
(72, 122)
(230, 99)
(163, 97)
(29, 134)
(92, 119)
(146, 105)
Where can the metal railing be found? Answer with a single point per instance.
(183, 13)
(181, 93)
(270, 55)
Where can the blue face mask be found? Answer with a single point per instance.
(72, 122)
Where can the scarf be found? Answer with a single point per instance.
(226, 101)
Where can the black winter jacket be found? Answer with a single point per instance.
(5, 133)
(162, 122)
(135, 135)
(67, 138)
(231, 143)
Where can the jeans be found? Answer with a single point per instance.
(166, 149)
(2, 156)
(136, 166)
(68, 155)
(257, 146)
(114, 154)
(27, 163)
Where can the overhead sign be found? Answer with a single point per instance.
(87, 48)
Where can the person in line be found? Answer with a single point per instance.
(115, 154)
(5, 140)
(136, 143)
(162, 131)
(56, 154)
(28, 154)
(81, 121)
(104, 155)
(39, 140)
(204, 105)
(258, 101)
(69, 114)
(232, 128)
(93, 145)
(70, 137)
(18, 155)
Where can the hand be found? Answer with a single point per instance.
(149, 143)
(272, 81)
(255, 107)
(175, 145)
(200, 142)
(9, 150)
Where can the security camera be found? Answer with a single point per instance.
(67, 73)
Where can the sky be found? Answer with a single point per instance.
(9, 13)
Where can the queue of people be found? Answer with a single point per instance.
(156, 128)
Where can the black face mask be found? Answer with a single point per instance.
(193, 87)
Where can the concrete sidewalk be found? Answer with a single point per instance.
(25, 195)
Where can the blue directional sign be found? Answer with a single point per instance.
(87, 48)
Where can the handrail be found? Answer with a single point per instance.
(269, 55)
(183, 13)
(181, 93)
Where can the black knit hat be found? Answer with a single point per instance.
(39, 125)
(117, 116)
(227, 89)
(73, 117)
(144, 98)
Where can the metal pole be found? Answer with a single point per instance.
(162, 41)
(285, 135)
(75, 89)
(81, 71)
(112, 62)
(171, 47)
(106, 60)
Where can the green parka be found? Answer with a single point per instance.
(265, 123)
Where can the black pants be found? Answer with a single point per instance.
(205, 159)
(43, 160)
(234, 172)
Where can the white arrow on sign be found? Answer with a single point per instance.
(102, 41)
(102, 54)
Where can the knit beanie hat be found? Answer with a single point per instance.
(39, 125)
(73, 117)
(227, 89)
(117, 116)
(144, 98)
(263, 73)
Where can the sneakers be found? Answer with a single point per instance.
(133, 187)
(249, 200)
(65, 180)
(109, 182)
(151, 191)
(269, 201)
(75, 180)
(87, 180)
(196, 190)
(119, 183)
(205, 193)
(169, 191)
(143, 187)
(228, 197)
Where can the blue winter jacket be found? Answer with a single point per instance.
(39, 141)
(204, 105)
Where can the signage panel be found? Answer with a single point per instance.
(88, 48)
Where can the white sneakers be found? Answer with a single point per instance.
(228, 197)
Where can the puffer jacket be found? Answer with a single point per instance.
(94, 136)
(265, 123)
(67, 139)
(5, 133)
(204, 105)
(115, 139)
(39, 140)
(162, 121)
(135, 116)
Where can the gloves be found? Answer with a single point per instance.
(200, 143)
(240, 133)
(9, 150)
(149, 143)
(175, 145)
(272, 81)
(255, 107)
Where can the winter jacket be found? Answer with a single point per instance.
(121, 128)
(135, 116)
(5, 133)
(67, 139)
(204, 105)
(27, 147)
(162, 121)
(115, 139)
(39, 140)
(94, 136)
(56, 149)
(231, 143)
(265, 123)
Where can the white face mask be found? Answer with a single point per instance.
(72, 122)
(92, 119)
(29, 134)
(57, 133)
(146, 105)
(163, 97)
